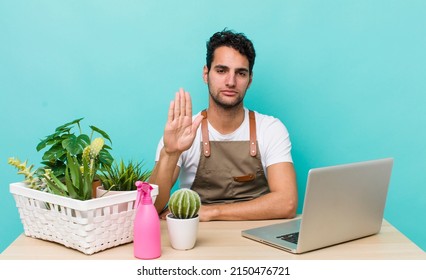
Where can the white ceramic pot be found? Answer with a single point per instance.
(101, 192)
(182, 232)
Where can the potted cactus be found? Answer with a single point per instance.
(182, 221)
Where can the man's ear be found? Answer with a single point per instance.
(250, 80)
(206, 74)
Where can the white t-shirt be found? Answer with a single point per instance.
(272, 137)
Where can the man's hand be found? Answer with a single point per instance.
(180, 130)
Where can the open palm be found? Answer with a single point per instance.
(180, 129)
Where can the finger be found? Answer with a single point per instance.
(164, 214)
(176, 105)
(196, 123)
(170, 115)
(188, 104)
(182, 102)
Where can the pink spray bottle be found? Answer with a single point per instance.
(146, 226)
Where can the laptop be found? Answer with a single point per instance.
(342, 203)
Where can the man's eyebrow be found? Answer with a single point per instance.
(242, 69)
(220, 66)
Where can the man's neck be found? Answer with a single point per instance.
(225, 121)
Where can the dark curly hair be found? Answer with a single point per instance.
(237, 41)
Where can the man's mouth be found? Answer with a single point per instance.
(228, 92)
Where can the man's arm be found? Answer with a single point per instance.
(179, 135)
(164, 175)
(281, 202)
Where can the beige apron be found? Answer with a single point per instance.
(229, 171)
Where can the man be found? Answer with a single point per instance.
(237, 160)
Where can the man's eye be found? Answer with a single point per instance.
(242, 74)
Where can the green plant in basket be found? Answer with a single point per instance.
(32, 179)
(184, 204)
(78, 177)
(66, 141)
(71, 163)
(122, 177)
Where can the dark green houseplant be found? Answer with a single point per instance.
(122, 177)
(69, 138)
(71, 162)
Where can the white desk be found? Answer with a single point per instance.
(222, 240)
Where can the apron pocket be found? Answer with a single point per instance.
(245, 178)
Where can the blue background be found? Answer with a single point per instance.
(348, 78)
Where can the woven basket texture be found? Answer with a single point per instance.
(87, 226)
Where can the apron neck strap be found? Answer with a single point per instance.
(252, 122)
(205, 134)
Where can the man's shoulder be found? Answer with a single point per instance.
(269, 126)
(265, 119)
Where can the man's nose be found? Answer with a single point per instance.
(230, 79)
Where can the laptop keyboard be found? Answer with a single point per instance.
(291, 237)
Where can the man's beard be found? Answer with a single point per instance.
(224, 105)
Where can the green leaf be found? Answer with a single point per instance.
(59, 170)
(101, 132)
(106, 147)
(83, 138)
(56, 186)
(65, 126)
(41, 145)
(71, 144)
(75, 145)
(58, 183)
(105, 158)
(73, 169)
(55, 152)
(87, 181)
(120, 176)
(54, 189)
(70, 185)
(48, 140)
(73, 177)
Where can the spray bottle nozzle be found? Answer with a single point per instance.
(144, 192)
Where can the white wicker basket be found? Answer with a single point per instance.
(88, 226)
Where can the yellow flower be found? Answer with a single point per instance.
(86, 153)
(17, 163)
(47, 173)
(13, 161)
(32, 181)
(96, 146)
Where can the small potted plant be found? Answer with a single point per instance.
(182, 221)
(121, 177)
